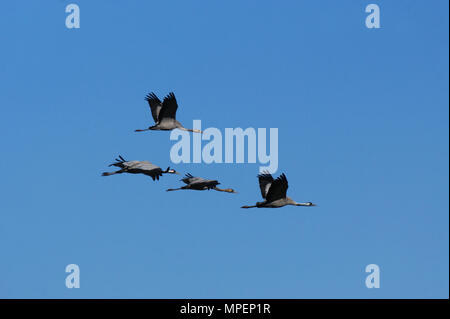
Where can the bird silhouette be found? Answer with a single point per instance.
(200, 184)
(273, 191)
(164, 114)
(139, 167)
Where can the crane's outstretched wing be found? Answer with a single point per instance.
(189, 179)
(169, 107)
(265, 180)
(208, 183)
(199, 182)
(155, 105)
(144, 167)
(278, 189)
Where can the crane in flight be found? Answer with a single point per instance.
(164, 114)
(274, 191)
(139, 167)
(200, 184)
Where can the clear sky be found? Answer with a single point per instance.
(363, 132)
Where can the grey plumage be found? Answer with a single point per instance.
(155, 105)
(273, 191)
(164, 114)
(199, 183)
(138, 167)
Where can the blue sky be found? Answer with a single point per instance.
(363, 132)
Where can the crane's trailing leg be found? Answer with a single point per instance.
(113, 173)
(151, 128)
(175, 189)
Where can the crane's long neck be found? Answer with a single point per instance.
(303, 204)
(226, 190)
(290, 201)
(190, 130)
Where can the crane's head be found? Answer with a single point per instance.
(310, 204)
(171, 171)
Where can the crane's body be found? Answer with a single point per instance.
(164, 114)
(166, 124)
(200, 184)
(277, 203)
(273, 191)
(139, 167)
